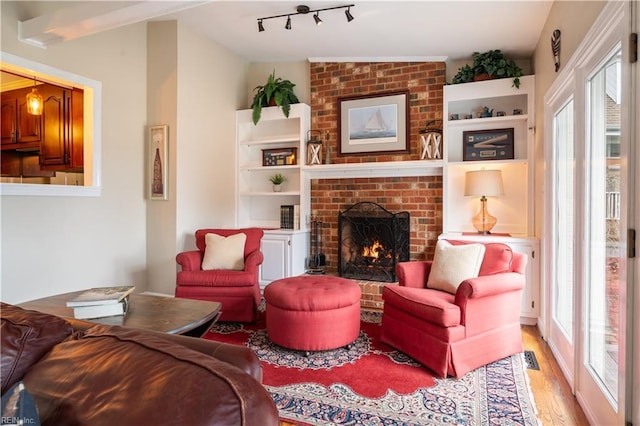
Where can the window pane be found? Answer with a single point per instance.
(564, 224)
(604, 225)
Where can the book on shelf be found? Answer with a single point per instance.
(101, 311)
(296, 216)
(286, 217)
(101, 296)
(290, 217)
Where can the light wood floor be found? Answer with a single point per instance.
(554, 401)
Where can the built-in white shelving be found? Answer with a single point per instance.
(257, 205)
(515, 209)
(256, 202)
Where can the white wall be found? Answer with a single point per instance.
(162, 107)
(195, 86)
(562, 16)
(56, 244)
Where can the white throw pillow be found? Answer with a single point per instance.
(454, 264)
(224, 252)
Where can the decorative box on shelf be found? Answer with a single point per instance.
(280, 156)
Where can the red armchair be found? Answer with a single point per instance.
(453, 334)
(237, 290)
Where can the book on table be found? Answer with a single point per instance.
(101, 311)
(101, 296)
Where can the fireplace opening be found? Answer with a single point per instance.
(372, 241)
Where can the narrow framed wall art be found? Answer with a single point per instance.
(158, 167)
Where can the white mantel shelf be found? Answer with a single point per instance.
(380, 169)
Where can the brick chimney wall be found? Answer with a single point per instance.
(420, 196)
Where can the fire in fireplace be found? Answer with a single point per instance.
(372, 241)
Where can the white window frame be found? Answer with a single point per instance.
(92, 150)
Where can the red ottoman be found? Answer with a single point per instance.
(313, 313)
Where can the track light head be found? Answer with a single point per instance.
(260, 26)
(348, 15)
(288, 25)
(316, 18)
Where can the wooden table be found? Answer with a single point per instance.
(165, 314)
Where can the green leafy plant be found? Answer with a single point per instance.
(492, 63)
(465, 75)
(275, 92)
(277, 179)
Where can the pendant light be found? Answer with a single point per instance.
(35, 101)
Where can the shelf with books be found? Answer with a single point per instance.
(275, 145)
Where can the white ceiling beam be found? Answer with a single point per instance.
(93, 17)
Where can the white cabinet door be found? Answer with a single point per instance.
(530, 308)
(275, 249)
(298, 253)
(285, 255)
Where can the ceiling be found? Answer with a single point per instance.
(381, 29)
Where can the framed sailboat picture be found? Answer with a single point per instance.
(374, 123)
(158, 166)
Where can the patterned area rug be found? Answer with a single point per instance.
(372, 384)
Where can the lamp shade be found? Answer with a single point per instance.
(483, 182)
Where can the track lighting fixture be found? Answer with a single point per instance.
(303, 10)
(348, 14)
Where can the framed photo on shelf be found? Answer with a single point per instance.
(374, 123)
(158, 167)
(280, 157)
(482, 145)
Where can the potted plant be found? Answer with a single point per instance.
(490, 64)
(275, 92)
(277, 181)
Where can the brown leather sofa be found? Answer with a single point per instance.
(79, 373)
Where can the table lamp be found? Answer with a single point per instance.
(483, 183)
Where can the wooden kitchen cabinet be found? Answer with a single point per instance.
(18, 128)
(61, 148)
(57, 135)
(55, 120)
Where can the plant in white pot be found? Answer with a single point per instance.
(277, 180)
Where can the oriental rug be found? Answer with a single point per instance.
(370, 383)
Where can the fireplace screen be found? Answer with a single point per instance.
(372, 241)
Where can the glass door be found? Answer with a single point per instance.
(589, 115)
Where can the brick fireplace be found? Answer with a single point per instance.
(420, 196)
